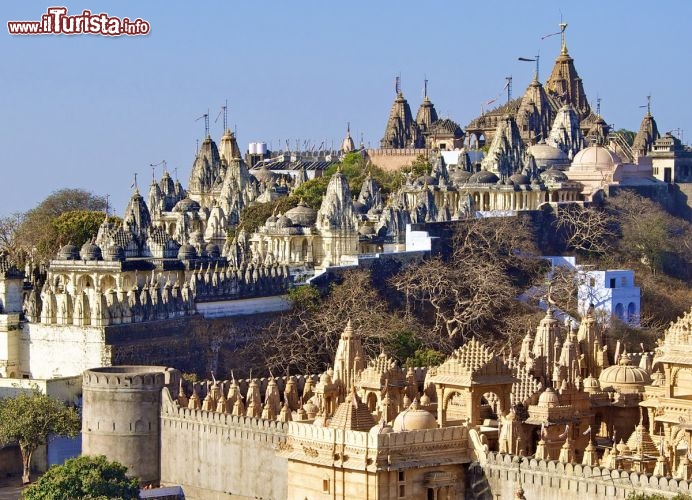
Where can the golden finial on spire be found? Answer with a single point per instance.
(563, 27)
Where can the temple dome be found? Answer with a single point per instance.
(414, 419)
(445, 127)
(263, 174)
(283, 222)
(90, 251)
(359, 207)
(484, 177)
(595, 158)
(546, 155)
(520, 179)
(591, 384)
(114, 253)
(460, 176)
(302, 215)
(548, 399)
(213, 251)
(624, 375)
(186, 205)
(187, 252)
(381, 428)
(427, 179)
(68, 252)
(554, 175)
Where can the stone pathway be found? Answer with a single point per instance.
(10, 488)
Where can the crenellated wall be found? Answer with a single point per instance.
(550, 479)
(217, 455)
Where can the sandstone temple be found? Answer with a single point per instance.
(564, 414)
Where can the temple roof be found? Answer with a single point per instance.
(487, 119)
(565, 85)
(206, 169)
(353, 415)
(427, 115)
(401, 130)
(472, 362)
(445, 126)
(646, 136)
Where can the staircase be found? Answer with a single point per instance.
(477, 484)
(622, 147)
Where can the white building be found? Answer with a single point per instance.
(611, 292)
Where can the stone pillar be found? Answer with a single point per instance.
(440, 406)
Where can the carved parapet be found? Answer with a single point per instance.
(126, 377)
(552, 473)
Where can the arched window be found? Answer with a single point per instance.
(620, 311)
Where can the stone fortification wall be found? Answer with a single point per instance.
(190, 343)
(120, 416)
(217, 455)
(550, 479)
(394, 159)
(48, 351)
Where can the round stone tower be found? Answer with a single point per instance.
(121, 416)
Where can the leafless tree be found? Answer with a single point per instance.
(587, 229)
(469, 293)
(305, 339)
(651, 235)
(8, 235)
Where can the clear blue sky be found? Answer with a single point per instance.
(88, 111)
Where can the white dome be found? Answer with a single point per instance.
(414, 419)
(624, 375)
(595, 158)
(547, 156)
(549, 398)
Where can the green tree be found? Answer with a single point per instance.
(29, 418)
(425, 357)
(78, 226)
(306, 297)
(419, 166)
(36, 235)
(312, 191)
(256, 214)
(85, 477)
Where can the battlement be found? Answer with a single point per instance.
(550, 478)
(171, 410)
(386, 441)
(132, 377)
(414, 152)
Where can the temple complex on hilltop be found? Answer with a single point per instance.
(545, 146)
